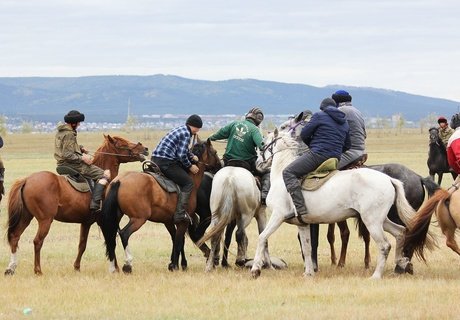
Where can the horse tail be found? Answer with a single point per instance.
(109, 222)
(403, 207)
(416, 235)
(430, 186)
(16, 207)
(225, 212)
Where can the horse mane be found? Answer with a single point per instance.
(287, 147)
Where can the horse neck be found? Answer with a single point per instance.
(107, 161)
(281, 160)
(196, 184)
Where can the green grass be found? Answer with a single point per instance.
(152, 292)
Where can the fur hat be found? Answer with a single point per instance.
(326, 103)
(341, 96)
(256, 115)
(195, 121)
(74, 116)
(441, 120)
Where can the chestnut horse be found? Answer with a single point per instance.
(47, 196)
(446, 206)
(139, 196)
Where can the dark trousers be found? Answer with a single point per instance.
(176, 172)
(300, 167)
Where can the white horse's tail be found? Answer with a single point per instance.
(226, 211)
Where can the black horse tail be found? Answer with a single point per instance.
(430, 186)
(110, 223)
(417, 236)
(16, 208)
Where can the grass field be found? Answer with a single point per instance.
(152, 292)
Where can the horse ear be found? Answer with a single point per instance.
(208, 142)
(275, 133)
(299, 117)
(108, 137)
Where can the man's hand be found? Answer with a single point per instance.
(195, 159)
(86, 158)
(194, 169)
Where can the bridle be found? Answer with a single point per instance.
(130, 151)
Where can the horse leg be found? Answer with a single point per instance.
(84, 231)
(367, 253)
(448, 226)
(384, 246)
(402, 263)
(14, 241)
(305, 243)
(172, 233)
(227, 241)
(178, 247)
(331, 240)
(261, 218)
(242, 241)
(132, 226)
(215, 248)
(42, 232)
(273, 224)
(314, 236)
(345, 236)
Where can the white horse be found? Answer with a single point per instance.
(234, 196)
(363, 192)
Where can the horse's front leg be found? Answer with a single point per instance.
(178, 247)
(305, 243)
(84, 231)
(242, 241)
(227, 241)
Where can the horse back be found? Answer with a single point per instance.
(49, 196)
(141, 196)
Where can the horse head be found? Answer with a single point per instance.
(207, 155)
(295, 124)
(434, 136)
(125, 150)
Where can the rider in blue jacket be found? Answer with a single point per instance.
(326, 135)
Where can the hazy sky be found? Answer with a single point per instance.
(405, 45)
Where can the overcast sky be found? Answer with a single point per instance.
(404, 45)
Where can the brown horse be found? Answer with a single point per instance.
(139, 196)
(446, 206)
(48, 196)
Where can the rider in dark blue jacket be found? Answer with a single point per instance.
(326, 135)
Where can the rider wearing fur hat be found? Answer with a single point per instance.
(243, 137)
(173, 157)
(69, 153)
(444, 130)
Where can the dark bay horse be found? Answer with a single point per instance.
(47, 196)
(437, 157)
(140, 197)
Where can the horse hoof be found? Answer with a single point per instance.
(255, 273)
(240, 263)
(127, 269)
(184, 268)
(9, 272)
(172, 267)
(410, 268)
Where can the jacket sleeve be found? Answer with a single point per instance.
(347, 144)
(307, 132)
(222, 133)
(69, 151)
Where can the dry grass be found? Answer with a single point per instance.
(152, 292)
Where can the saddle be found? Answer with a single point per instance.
(151, 168)
(315, 179)
(76, 179)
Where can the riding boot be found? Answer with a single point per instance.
(299, 201)
(265, 187)
(182, 202)
(98, 191)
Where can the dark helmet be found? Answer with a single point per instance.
(74, 116)
(256, 115)
(441, 120)
(195, 121)
(341, 96)
(455, 121)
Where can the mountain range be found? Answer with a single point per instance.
(106, 98)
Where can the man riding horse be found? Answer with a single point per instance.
(69, 153)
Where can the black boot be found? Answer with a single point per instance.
(95, 204)
(182, 201)
(299, 201)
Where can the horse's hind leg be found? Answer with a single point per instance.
(227, 241)
(132, 226)
(331, 240)
(14, 240)
(215, 248)
(42, 232)
(448, 226)
(403, 264)
(345, 237)
(84, 232)
(242, 241)
(384, 246)
(305, 244)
